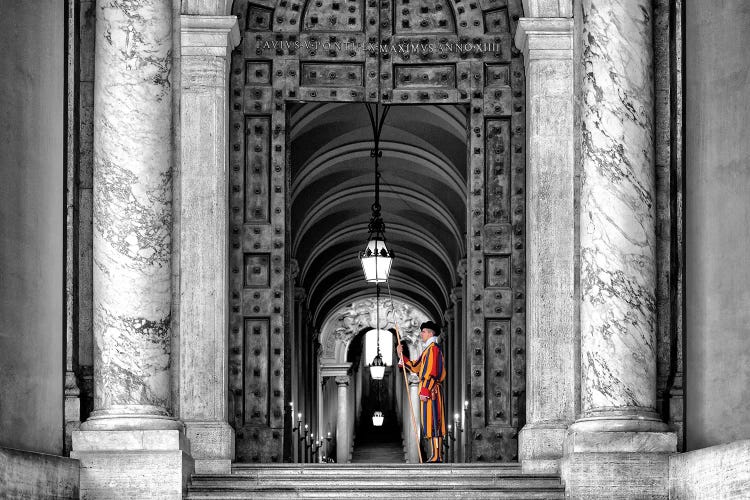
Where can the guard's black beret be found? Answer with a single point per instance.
(432, 326)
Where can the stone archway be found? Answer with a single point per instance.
(427, 53)
(547, 47)
(337, 405)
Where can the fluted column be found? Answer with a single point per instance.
(132, 216)
(342, 419)
(618, 427)
(412, 454)
(551, 397)
(206, 43)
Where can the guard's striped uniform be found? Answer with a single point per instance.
(431, 371)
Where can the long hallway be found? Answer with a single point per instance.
(378, 444)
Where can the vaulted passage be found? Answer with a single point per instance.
(301, 187)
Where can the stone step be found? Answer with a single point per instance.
(379, 493)
(354, 482)
(378, 469)
(333, 481)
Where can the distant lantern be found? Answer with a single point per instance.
(377, 419)
(377, 368)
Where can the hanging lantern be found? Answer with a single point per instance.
(377, 418)
(376, 258)
(377, 368)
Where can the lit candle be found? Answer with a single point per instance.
(299, 417)
(450, 427)
(306, 427)
(329, 434)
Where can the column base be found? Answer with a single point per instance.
(211, 445)
(626, 464)
(540, 447)
(132, 463)
(131, 417)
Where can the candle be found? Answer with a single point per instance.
(299, 417)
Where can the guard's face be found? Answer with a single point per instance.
(425, 334)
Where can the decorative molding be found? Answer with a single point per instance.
(548, 8)
(208, 35)
(545, 38)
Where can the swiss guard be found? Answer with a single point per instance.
(431, 370)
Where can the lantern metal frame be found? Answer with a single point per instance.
(376, 250)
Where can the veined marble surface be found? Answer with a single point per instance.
(132, 206)
(618, 242)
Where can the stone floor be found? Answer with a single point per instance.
(378, 444)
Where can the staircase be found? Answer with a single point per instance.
(397, 481)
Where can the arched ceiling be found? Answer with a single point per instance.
(423, 199)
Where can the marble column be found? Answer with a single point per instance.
(551, 397)
(412, 454)
(132, 216)
(342, 419)
(132, 252)
(619, 427)
(206, 43)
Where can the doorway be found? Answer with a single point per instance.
(301, 188)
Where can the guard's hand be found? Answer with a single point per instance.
(400, 350)
(424, 394)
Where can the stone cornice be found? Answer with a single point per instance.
(208, 35)
(335, 369)
(548, 8)
(545, 38)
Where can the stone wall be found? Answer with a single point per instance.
(35, 475)
(714, 472)
(31, 224)
(717, 215)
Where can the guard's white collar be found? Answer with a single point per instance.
(431, 340)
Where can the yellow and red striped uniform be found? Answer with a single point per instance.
(431, 371)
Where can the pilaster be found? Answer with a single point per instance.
(547, 44)
(206, 42)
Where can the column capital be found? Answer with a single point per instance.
(300, 294)
(548, 8)
(293, 268)
(545, 38)
(448, 315)
(208, 35)
(461, 270)
(335, 369)
(456, 294)
(342, 380)
(413, 379)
